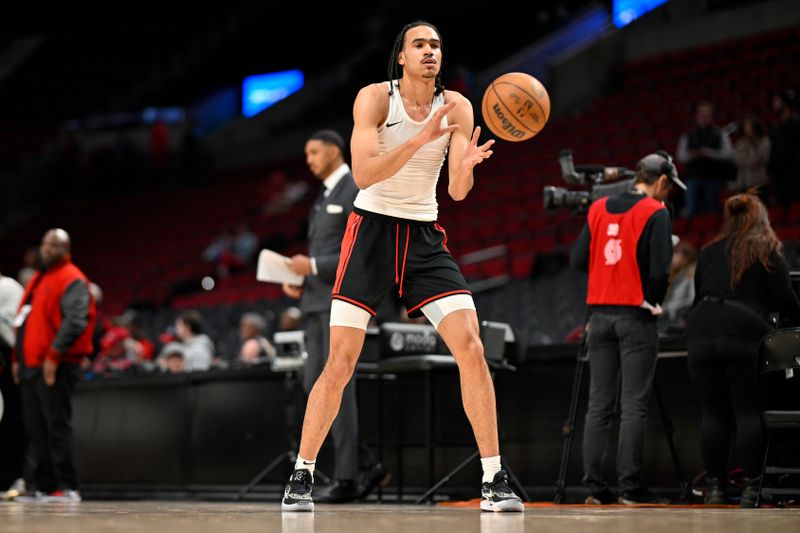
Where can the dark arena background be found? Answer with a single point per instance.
(167, 140)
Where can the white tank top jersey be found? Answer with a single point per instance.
(411, 193)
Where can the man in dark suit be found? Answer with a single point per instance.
(326, 226)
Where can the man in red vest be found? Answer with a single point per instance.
(626, 245)
(54, 326)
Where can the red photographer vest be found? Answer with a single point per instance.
(614, 277)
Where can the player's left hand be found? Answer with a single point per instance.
(475, 154)
(300, 264)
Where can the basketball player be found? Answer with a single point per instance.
(402, 130)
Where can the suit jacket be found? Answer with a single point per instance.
(326, 225)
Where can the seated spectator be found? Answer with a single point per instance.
(172, 359)
(245, 244)
(198, 350)
(752, 155)
(145, 349)
(255, 347)
(117, 354)
(680, 295)
(221, 245)
(291, 319)
(232, 252)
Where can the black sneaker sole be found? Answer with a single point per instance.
(504, 506)
(299, 507)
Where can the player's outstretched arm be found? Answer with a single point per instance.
(464, 150)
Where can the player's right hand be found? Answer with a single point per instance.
(433, 129)
(15, 372)
(292, 291)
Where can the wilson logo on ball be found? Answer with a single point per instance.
(507, 126)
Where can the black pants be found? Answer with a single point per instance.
(723, 369)
(13, 440)
(47, 413)
(345, 425)
(622, 348)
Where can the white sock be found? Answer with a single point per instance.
(305, 464)
(491, 466)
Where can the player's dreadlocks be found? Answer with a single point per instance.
(395, 69)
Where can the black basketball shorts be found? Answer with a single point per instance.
(382, 253)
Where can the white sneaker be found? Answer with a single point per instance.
(30, 497)
(17, 488)
(62, 496)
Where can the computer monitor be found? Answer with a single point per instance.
(290, 343)
(290, 349)
(493, 336)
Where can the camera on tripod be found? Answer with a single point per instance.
(604, 181)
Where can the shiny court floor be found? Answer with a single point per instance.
(155, 517)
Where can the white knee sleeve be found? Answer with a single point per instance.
(348, 315)
(438, 309)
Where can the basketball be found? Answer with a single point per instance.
(515, 106)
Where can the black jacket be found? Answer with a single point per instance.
(762, 290)
(326, 224)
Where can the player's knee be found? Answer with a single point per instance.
(339, 369)
(475, 346)
(472, 352)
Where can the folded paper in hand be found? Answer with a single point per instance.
(274, 268)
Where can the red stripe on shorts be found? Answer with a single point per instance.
(444, 239)
(437, 297)
(348, 242)
(357, 304)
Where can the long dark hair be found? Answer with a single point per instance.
(758, 127)
(749, 234)
(395, 70)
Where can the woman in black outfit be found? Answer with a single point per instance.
(741, 276)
